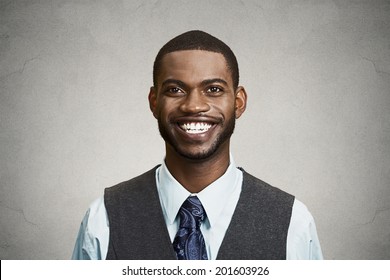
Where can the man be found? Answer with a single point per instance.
(197, 204)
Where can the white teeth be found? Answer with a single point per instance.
(195, 128)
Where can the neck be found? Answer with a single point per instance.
(195, 175)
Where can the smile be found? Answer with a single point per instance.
(195, 127)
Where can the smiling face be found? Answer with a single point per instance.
(196, 103)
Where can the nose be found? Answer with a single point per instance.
(194, 102)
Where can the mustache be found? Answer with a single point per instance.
(196, 118)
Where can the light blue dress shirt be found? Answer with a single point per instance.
(302, 239)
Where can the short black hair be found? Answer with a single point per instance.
(198, 40)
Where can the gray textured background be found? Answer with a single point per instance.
(74, 116)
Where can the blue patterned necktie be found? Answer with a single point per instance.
(189, 243)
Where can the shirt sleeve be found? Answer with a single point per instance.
(302, 238)
(93, 236)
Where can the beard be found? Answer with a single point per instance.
(223, 136)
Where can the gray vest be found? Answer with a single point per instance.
(258, 229)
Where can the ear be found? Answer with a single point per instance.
(240, 101)
(153, 101)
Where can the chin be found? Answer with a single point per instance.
(201, 151)
(217, 148)
(199, 156)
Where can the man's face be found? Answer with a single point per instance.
(195, 103)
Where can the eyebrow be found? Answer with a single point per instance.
(213, 81)
(173, 81)
(203, 83)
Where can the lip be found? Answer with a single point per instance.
(195, 127)
(202, 136)
(195, 137)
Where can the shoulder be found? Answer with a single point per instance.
(302, 242)
(259, 198)
(259, 188)
(302, 215)
(147, 178)
(302, 222)
(131, 195)
(96, 216)
(93, 234)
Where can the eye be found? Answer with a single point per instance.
(214, 90)
(174, 91)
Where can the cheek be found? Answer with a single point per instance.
(225, 106)
(165, 108)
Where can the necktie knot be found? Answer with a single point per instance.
(191, 213)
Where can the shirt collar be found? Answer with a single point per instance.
(173, 194)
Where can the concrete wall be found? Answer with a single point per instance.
(74, 116)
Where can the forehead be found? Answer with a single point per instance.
(194, 66)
